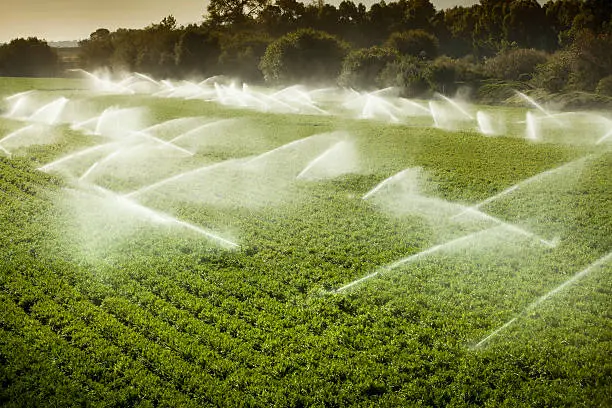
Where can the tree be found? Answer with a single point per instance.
(516, 64)
(384, 19)
(417, 43)
(488, 32)
(305, 55)
(197, 52)
(126, 48)
(554, 74)
(526, 25)
(352, 19)
(156, 48)
(591, 59)
(361, 68)
(407, 74)
(28, 57)
(241, 53)
(560, 15)
(281, 17)
(97, 51)
(234, 12)
(460, 23)
(419, 14)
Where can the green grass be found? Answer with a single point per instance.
(94, 312)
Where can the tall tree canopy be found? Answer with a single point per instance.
(29, 57)
(234, 12)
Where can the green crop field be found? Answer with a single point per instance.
(174, 247)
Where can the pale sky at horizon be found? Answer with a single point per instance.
(61, 20)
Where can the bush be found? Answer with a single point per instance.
(446, 74)
(418, 43)
(494, 92)
(592, 60)
(303, 56)
(514, 65)
(406, 73)
(197, 52)
(604, 86)
(241, 55)
(29, 57)
(361, 68)
(554, 74)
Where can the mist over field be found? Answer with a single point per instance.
(311, 205)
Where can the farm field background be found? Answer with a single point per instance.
(168, 250)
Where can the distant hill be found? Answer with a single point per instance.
(63, 44)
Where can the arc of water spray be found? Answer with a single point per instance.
(604, 137)
(415, 105)
(174, 178)
(82, 124)
(199, 129)
(519, 185)
(305, 100)
(96, 164)
(383, 183)
(162, 218)
(5, 151)
(55, 107)
(274, 99)
(16, 133)
(146, 78)
(163, 142)
(245, 95)
(18, 95)
(456, 106)
(22, 97)
(280, 148)
(318, 159)
(601, 261)
(104, 82)
(434, 114)
(476, 211)
(371, 100)
(412, 258)
(74, 155)
(170, 122)
(89, 170)
(512, 227)
(533, 103)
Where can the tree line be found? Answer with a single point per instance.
(559, 46)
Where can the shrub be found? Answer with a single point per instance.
(445, 74)
(29, 57)
(513, 65)
(197, 52)
(303, 56)
(554, 74)
(406, 73)
(241, 54)
(592, 60)
(361, 68)
(604, 86)
(494, 92)
(418, 43)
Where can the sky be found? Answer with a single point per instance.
(62, 20)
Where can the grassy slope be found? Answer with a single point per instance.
(193, 325)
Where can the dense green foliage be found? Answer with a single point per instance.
(167, 319)
(28, 57)
(304, 56)
(416, 43)
(561, 46)
(515, 65)
(362, 68)
(406, 73)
